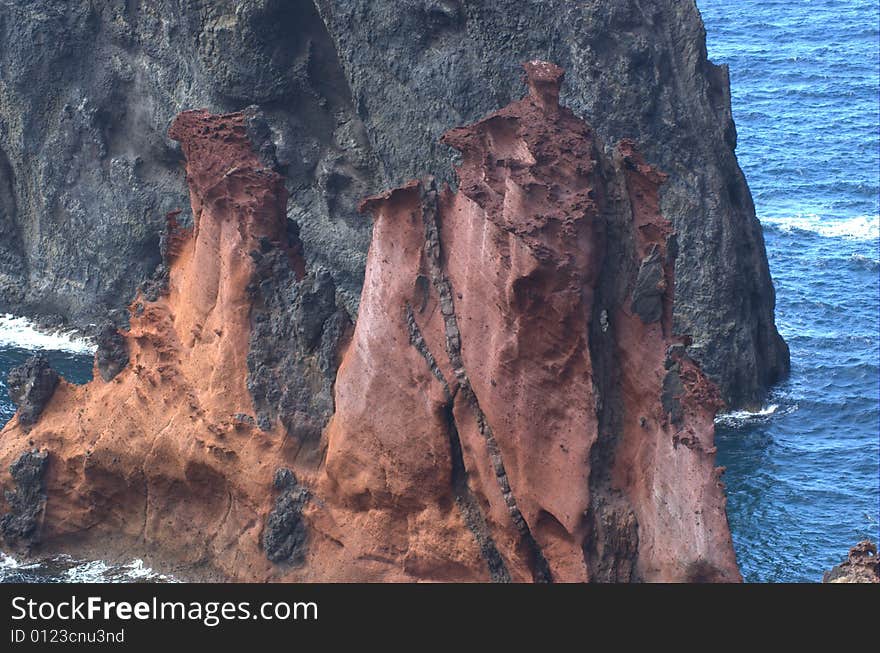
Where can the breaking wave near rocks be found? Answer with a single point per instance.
(860, 227)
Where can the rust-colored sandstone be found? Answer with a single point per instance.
(512, 404)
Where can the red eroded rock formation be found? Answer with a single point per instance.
(861, 566)
(512, 404)
(155, 458)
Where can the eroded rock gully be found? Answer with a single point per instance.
(511, 405)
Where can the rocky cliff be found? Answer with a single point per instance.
(356, 95)
(512, 403)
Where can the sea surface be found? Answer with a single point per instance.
(802, 473)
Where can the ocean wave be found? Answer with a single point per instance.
(860, 227)
(22, 333)
(739, 418)
(8, 562)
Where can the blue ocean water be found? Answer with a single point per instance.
(802, 478)
(802, 475)
(69, 354)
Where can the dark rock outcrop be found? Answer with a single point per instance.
(650, 287)
(112, 354)
(31, 386)
(355, 96)
(19, 527)
(297, 331)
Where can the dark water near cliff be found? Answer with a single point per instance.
(803, 473)
(71, 356)
(803, 478)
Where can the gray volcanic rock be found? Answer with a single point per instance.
(31, 386)
(20, 526)
(285, 537)
(650, 285)
(296, 331)
(87, 171)
(112, 354)
(355, 95)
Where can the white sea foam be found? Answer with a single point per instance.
(97, 571)
(66, 569)
(21, 332)
(860, 227)
(8, 562)
(137, 571)
(737, 418)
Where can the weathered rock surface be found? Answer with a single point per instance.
(355, 95)
(861, 566)
(499, 411)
